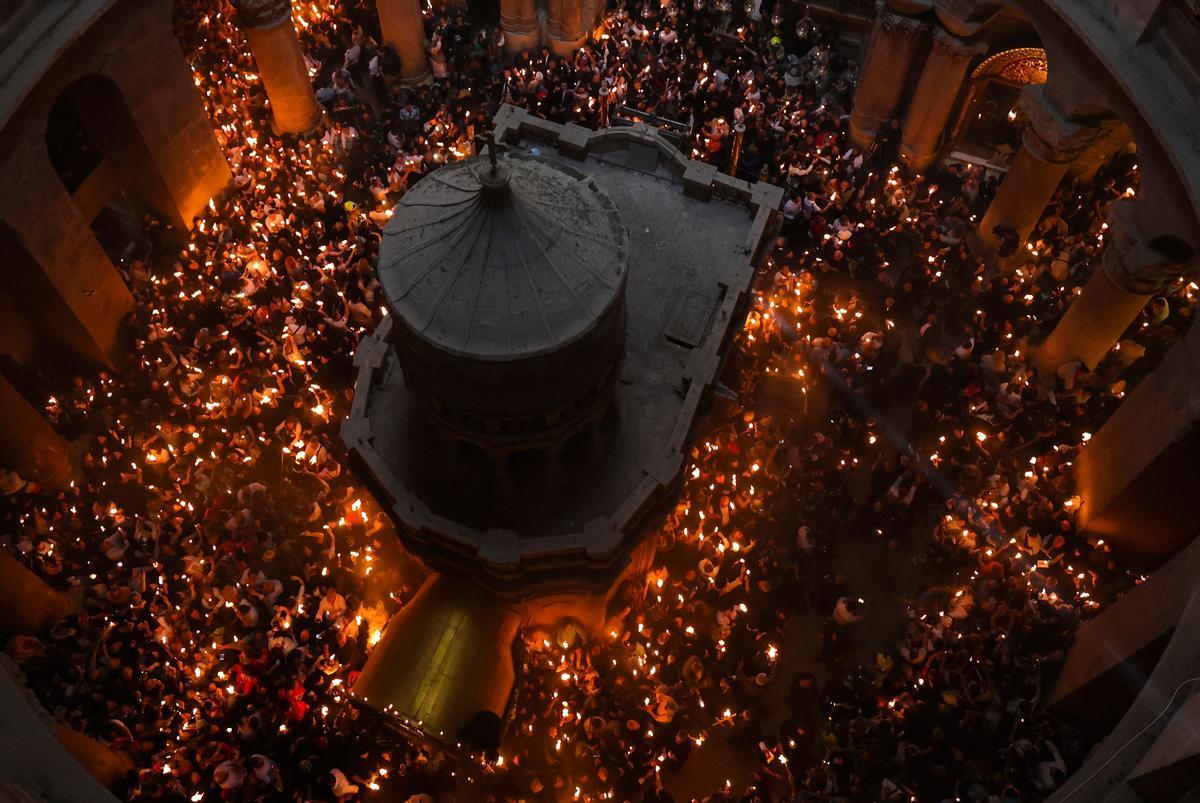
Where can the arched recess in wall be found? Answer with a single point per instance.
(989, 124)
(101, 157)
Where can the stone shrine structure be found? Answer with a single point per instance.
(525, 409)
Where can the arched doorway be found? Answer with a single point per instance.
(989, 124)
(103, 161)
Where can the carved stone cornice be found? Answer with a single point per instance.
(1133, 265)
(262, 13)
(893, 23)
(1050, 135)
(956, 47)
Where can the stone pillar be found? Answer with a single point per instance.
(404, 31)
(1121, 765)
(28, 444)
(941, 79)
(1092, 324)
(565, 28)
(1138, 474)
(276, 48)
(896, 41)
(28, 605)
(522, 28)
(1022, 196)
(1050, 144)
(1113, 653)
(52, 264)
(1131, 273)
(1108, 665)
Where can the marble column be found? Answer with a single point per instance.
(896, 42)
(566, 31)
(1131, 273)
(938, 88)
(521, 26)
(276, 48)
(28, 444)
(1049, 145)
(404, 31)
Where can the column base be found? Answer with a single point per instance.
(315, 124)
(863, 132)
(420, 79)
(566, 47)
(516, 41)
(917, 162)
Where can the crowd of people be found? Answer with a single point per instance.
(235, 576)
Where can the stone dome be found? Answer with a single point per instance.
(506, 265)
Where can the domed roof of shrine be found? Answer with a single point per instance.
(505, 259)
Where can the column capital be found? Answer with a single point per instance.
(1050, 135)
(262, 13)
(1131, 263)
(955, 46)
(893, 22)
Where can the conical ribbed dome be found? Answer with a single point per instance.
(503, 265)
